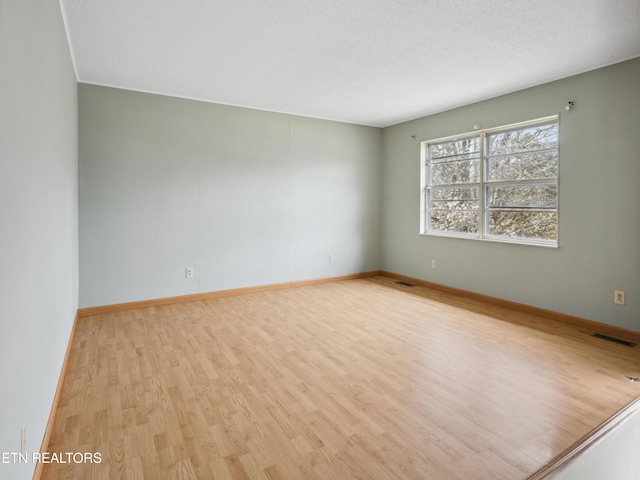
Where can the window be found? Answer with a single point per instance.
(499, 184)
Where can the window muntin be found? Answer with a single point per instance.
(499, 184)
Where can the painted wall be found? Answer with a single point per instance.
(599, 229)
(614, 456)
(244, 197)
(38, 218)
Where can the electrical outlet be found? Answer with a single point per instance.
(434, 264)
(618, 297)
(188, 272)
(331, 259)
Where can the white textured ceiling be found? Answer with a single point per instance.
(371, 62)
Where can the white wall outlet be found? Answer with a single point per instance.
(331, 259)
(434, 264)
(618, 297)
(188, 272)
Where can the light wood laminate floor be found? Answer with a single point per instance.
(359, 379)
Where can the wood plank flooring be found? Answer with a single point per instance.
(359, 379)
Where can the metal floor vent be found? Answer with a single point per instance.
(614, 340)
(406, 284)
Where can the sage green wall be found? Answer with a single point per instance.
(38, 218)
(599, 230)
(245, 197)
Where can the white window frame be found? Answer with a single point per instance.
(483, 186)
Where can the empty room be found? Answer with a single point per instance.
(320, 240)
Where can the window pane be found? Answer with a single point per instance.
(524, 224)
(533, 196)
(454, 194)
(454, 205)
(466, 171)
(455, 150)
(526, 166)
(524, 139)
(463, 221)
(454, 209)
